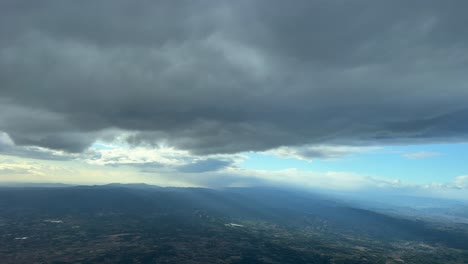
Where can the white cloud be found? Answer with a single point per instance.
(115, 155)
(5, 140)
(16, 169)
(456, 189)
(157, 159)
(461, 182)
(421, 155)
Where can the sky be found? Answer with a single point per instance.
(340, 95)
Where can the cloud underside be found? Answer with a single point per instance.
(213, 77)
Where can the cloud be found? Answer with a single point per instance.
(421, 155)
(309, 153)
(455, 189)
(200, 166)
(5, 140)
(461, 181)
(149, 159)
(8, 147)
(9, 171)
(233, 76)
(156, 159)
(125, 155)
(458, 183)
(14, 170)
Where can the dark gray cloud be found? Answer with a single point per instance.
(7, 147)
(34, 153)
(207, 165)
(232, 76)
(310, 153)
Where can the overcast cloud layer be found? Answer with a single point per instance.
(215, 77)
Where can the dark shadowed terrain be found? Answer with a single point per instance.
(148, 224)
